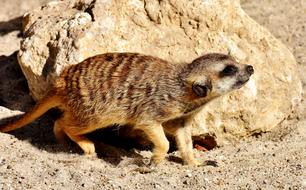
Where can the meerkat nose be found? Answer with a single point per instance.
(250, 69)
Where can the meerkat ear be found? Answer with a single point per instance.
(201, 90)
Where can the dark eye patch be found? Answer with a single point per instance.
(229, 70)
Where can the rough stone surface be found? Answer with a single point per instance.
(63, 33)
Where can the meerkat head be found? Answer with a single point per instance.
(213, 75)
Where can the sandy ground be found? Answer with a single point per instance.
(31, 159)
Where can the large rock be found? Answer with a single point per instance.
(63, 33)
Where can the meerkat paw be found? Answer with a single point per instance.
(88, 147)
(154, 163)
(193, 162)
(190, 160)
(157, 158)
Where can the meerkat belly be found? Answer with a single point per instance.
(96, 109)
(108, 107)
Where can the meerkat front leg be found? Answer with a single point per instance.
(157, 136)
(181, 130)
(185, 145)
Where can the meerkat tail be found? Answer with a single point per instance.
(48, 102)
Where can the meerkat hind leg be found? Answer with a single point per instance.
(75, 132)
(161, 144)
(86, 145)
(59, 133)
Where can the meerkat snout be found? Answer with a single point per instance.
(243, 76)
(250, 69)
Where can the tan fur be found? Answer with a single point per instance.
(146, 92)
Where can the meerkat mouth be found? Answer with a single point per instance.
(240, 83)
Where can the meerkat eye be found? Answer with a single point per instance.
(229, 70)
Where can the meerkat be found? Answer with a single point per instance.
(148, 93)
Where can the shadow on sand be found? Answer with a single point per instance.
(11, 25)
